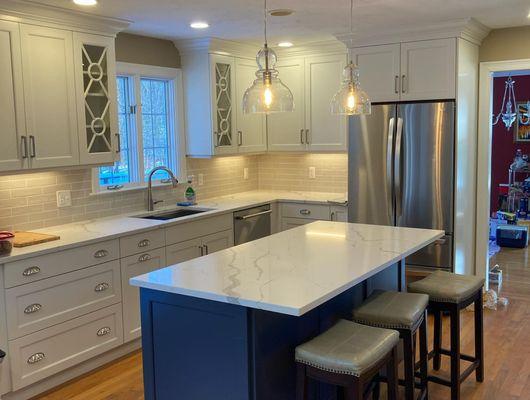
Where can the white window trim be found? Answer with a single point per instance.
(178, 140)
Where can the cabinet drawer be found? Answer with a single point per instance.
(308, 211)
(289, 223)
(142, 242)
(130, 267)
(184, 251)
(191, 230)
(54, 300)
(47, 352)
(37, 268)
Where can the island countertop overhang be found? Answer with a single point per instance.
(294, 271)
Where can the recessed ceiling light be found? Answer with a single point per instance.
(199, 25)
(281, 12)
(86, 2)
(285, 44)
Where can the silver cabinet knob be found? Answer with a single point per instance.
(31, 271)
(101, 253)
(104, 331)
(101, 287)
(32, 308)
(144, 257)
(144, 243)
(305, 211)
(35, 358)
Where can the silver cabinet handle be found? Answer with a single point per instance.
(35, 358)
(118, 145)
(32, 153)
(244, 217)
(305, 211)
(403, 88)
(396, 84)
(239, 138)
(144, 257)
(205, 249)
(307, 136)
(101, 287)
(104, 331)
(24, 145)
(201, 248)
(31, 271)
(216, 141)
(332, 216)
(144, 243)
(302, 136)
(32, 308)
(101, 253)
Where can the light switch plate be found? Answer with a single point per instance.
(64, 198)
(312, 173)
(201, 179)
(245, 173)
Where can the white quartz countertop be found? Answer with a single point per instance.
(294, 271)
(97, 230)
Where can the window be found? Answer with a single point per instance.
(150, 127)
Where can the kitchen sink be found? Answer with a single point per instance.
(173, 214)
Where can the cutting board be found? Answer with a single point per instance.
(24, 239)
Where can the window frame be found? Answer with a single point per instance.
(177, 140)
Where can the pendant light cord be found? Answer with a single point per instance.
(351, 17)
(265, 20)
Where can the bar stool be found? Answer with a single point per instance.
(452, 293)
(406, 313)
(349, 356)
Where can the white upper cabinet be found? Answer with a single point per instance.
(250, 128)
(286, 131)
(422, 70)
(379, 69)
(428, 70)
(324, 131)
(50, 98)
(13, 152)
(95, 72)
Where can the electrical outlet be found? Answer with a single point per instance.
(64, 198)
(245, 173)
(312, 173)
(201, 179)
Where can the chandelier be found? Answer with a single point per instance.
(508, 112)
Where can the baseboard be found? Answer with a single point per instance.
(72, 373)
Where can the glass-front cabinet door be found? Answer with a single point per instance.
(95, 69)
(223, 111)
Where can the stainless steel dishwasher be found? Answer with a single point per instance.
(252, 223)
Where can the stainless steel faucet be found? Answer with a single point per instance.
(150, 202)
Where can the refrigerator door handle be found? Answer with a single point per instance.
(389, 156)
(398, 184)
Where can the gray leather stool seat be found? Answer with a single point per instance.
(447, 287)
(347, 348)
(392, 310)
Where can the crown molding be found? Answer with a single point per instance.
(466, 28)
(332, 46)
(213, 45)
(41, 14)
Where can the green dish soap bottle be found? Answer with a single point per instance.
(190, 195)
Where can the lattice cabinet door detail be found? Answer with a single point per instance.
(223, 107)
(96, 79)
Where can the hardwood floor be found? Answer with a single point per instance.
(507, 343)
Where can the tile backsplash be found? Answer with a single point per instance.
(28, 201)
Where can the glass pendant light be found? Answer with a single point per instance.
(508, 112)
(267, 94)
(351, 99)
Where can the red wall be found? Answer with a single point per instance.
(503, 145)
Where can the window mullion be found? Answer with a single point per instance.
(139, 136)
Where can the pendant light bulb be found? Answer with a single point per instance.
(267, 94)
(351, 99)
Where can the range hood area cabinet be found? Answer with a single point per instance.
(409, 71)
(58, 94)
(313, 80)
(214, 85)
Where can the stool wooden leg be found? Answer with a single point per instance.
(455, 353)
(424, 357)
(301, 382)
(354, 391)
(392, 375)
(376, 392)
(479, 338)
(437, 340)
(408, 364)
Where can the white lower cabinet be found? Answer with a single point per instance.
(297, 214)
(289, 223)
(130, 267)
(338, 213)
(218, 241)
(183, 251)
(52, 350)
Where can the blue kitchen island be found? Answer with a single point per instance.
(225, 326)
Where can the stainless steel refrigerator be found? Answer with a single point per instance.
(401, 172)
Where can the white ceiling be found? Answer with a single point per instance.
(313, 20)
